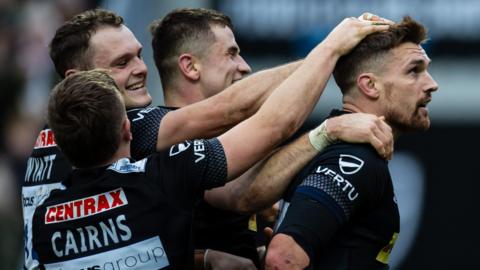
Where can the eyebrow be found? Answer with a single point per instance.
(419, 62)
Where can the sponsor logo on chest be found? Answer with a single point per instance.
(86, 206)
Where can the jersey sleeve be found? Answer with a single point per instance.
(341, 183)
(191, 167)
(145, 123)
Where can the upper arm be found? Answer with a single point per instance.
(145, 123)
(191, 165)
(337, 186)
(345, 179)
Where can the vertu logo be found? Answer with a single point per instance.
(350, 164)
(178, 148)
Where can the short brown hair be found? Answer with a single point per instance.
(183, 30)
(86, 112)
(69, 47)
(369, 53)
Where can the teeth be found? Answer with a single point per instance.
(136, 86)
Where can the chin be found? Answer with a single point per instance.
(138, 102)
(419, 126)
(411, 126)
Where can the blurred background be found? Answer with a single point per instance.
(433, 172)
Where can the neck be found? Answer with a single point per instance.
(182, 95)
(371, 108)
(123, 151)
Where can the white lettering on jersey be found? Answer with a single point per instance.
(146, 254)
(86, 206)
(125, 166)
(140, 114)
(341, 182)
(90, 237)
(199, 149)
(39, 169)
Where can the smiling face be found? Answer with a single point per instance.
(117, 50)
(222, 64)
(407, 88)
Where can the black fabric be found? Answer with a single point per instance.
(352, 212)
(134, 214)
(144, 126)
(223, 230)
(213, 228)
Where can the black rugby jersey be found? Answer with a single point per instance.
(214, 228)
(129, 215)
(225, 231)
(144, 127)
(47, 167)
(341, 209)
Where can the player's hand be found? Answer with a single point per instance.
(367, 16)
(362, 128)
(217, 260)
(270, 213)
(351, 31)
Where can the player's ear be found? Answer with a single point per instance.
(71, 71)
(126, 133)
(188, 66)
(367, 84)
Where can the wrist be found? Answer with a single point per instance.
(319, 137)
(331, 130)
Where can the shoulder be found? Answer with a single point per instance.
(344, 168)
(139, 114)
(351, 159)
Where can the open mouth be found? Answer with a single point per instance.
(136, 86)
(423, 104)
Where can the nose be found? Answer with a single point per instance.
(243, 67)
(140, 67)
(432, 85)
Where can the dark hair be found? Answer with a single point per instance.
(369, 53)
(69, 47)
(180, 31)
(86, 112)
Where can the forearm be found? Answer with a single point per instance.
(215, 115)
(245, 97)
(294, 99)
(271, 178)
(264, 184)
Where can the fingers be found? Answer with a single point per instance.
(387, 131)
(378, 145)
(268, 232)
(382, 138)
(374, 23)
(367, 16)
